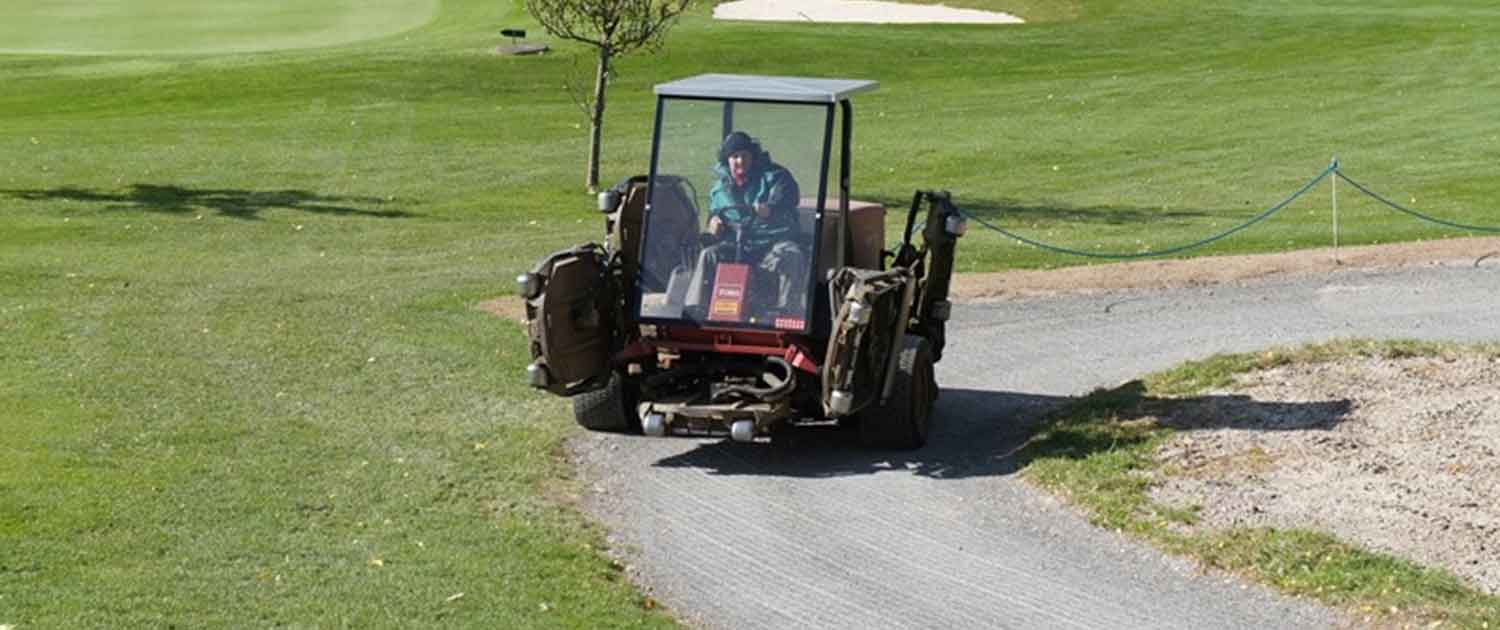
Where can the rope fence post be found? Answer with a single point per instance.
(1334, 182)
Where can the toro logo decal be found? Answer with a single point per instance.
(729, 293)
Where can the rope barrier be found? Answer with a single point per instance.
(1399, 208)
(1166, 252)
(1332, 170)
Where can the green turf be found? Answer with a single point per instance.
(120, 27)
(242, 375)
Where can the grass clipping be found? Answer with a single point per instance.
(1120, 455)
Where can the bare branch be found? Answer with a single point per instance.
(621, 25)
(614, 28)
(576, 90)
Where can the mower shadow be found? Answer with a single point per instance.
(233, 203)
(981, 433)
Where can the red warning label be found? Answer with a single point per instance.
(728, 304)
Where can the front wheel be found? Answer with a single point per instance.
(611, 408)
(905, 419)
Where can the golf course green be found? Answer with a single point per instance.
(246, 378)
(130, 27)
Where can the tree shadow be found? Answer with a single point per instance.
(233, 203)
(987, 433)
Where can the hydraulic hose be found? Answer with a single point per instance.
(778, 386)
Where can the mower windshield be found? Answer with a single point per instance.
(736, 201)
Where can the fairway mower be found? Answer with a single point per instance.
(740, 291)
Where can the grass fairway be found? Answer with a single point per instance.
(126, 27)
(243, 380)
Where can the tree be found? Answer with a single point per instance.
(614, 28)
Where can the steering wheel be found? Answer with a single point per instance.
(732, 230)
(746, 213)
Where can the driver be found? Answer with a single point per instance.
(760, 197)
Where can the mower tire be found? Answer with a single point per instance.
(610, 408)
(904, 420)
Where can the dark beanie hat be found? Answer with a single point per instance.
(738, 141)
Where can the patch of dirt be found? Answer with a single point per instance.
(507, 307)
(1165, 274)
(1396, 455)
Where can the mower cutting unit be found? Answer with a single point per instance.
(740, 290)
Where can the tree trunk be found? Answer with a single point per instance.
(596, 117)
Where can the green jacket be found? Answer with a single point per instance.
(773, 186)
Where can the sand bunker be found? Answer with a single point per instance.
(869, 11)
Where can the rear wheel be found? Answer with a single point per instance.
(904, 421)
(611, 408)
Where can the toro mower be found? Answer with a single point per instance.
(740, 290)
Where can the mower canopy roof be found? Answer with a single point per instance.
(763, 88)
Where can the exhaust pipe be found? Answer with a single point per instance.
(654, 424)
(742, 431)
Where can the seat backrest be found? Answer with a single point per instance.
(866, 224)
(672, 237)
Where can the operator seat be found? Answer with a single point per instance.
(672, 238)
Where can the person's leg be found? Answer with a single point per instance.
(701, 283)
(789, 264)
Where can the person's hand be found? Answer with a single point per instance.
(715, 225)
(762, 210)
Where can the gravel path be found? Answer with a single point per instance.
(821, 534)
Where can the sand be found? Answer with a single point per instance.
(865, 11)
